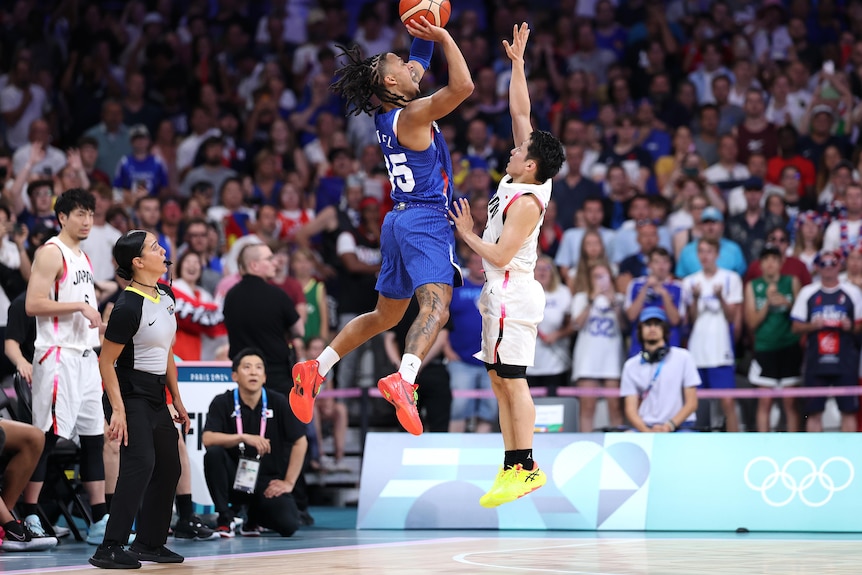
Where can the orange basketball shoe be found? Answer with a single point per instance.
(403, 396)
(306, 386)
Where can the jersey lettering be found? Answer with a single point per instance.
(82, 276)
(400, 175)
(494, 206)
(384, 139)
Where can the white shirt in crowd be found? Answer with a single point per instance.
(99, 247)
(832, 235)
(598, 352)
(710, 342)
(660, 384)
(553, 359)
(10, 99)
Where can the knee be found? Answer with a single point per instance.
(215, 458)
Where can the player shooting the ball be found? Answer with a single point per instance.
(417, 241)
(512, 302)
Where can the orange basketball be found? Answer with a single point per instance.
(435, 11)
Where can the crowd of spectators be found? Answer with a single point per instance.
(210, 123)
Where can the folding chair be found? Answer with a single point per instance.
(62, 462)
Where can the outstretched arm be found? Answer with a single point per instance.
(519, 95)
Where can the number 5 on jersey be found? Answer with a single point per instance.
(400, 175)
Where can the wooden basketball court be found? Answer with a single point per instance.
(328, 549)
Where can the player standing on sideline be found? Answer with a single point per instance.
(67, 388)
(512, 302)
(417, 241)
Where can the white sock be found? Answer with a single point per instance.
(326, 360)
(409, 367)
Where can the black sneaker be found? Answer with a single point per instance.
(113, 556)
(154, 554)
(194, 529)
(305, 518)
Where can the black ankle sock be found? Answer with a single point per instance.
(509, 460)
(524, 457)
(30, 509)
(108, 498)
(99, 510)
(184, 507)
(14, 527)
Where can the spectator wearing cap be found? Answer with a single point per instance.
(112, 136)
(844, 232)
(212, 170)
(819, 124)
(571, 190)
(730, 256)
(777, 356)
(788, 155)
(748, 229)
(141, 172)
(829, 313)
(659, 385)
(790, 264)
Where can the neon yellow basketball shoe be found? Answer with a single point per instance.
(514, 483)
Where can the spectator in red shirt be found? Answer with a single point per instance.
(788, 155)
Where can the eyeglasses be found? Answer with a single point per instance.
(828, 263)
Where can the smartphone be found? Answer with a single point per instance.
(829, 67)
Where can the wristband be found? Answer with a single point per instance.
(672, 424)
(421, 51)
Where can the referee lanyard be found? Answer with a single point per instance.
(238, 416)
(653, 380)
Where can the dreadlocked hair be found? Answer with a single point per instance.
(360, 80)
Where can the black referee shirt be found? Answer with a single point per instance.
(282, 429)
(21, 327)
(259, 314)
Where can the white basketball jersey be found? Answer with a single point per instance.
(75, 284)
(507, 192)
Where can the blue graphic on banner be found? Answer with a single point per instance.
(619, 481)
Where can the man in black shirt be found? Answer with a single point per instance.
(260, 315)
(266, 433)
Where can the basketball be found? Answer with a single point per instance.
(435, 11)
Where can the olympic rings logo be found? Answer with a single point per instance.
(801, 486)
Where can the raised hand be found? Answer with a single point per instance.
(515, 50)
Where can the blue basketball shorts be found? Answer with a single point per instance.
(417, 245)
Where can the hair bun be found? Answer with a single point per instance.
(124, 274)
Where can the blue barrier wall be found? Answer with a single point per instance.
(619, 481)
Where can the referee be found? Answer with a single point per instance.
(659, 386)
(136, 364)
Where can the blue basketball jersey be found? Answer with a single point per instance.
(424, 177)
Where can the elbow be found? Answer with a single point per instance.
(207, 439)
(463, 88)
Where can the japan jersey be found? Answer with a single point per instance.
(423, 177)
(507, 192)
(76, 284)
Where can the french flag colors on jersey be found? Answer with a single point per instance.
(832, 350)
(422, 177)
